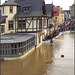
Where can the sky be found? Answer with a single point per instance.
(62, 3)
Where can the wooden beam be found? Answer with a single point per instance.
(47, 22)
(36, 24)
(28, 25)
(25, 21)
(15, 25)
(21, 24)
(32, 24)
(41, 23)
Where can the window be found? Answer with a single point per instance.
(40, 23)
(22, 24)
(11, 25)
(11, 9)
(43, 22)
(19, 24)
(2, 28)
(27, 9)
(55, 12)
(3, 10)
(12, 52)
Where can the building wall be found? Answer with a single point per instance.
(56, 13)
(10, 17)
(17, 49)
(61, 18)
(72, 10)
(29, 24)
(67, 16)
(35, 24)
(0, 8)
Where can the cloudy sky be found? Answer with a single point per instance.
(62, 3)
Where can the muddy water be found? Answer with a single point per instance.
(45, 60)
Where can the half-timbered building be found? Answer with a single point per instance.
(26, 16)
(22, 17)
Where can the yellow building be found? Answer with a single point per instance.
(61, 16)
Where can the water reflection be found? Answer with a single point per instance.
(45, 60)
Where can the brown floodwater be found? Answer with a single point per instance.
(45, 60)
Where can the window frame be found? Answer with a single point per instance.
(9, 26)
(27, 9)
(2, 28)
(22, 23)
(55, 12)
(11, 9)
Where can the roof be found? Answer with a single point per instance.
(49, 9)
(58, 6)
(36, 8)
(68, 11)
(10, 3)
(73, 4)
(15, 38)
(56, 9)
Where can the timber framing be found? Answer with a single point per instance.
(31, 27)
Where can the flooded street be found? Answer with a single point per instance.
(45, 60)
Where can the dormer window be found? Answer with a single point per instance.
(26, 9)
